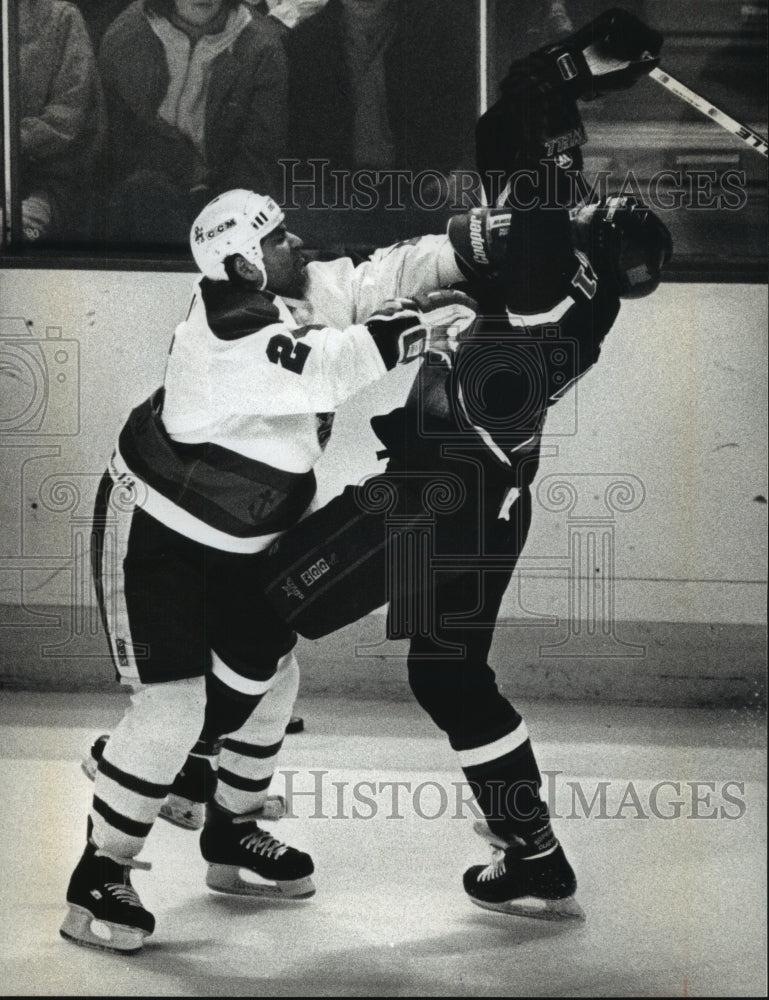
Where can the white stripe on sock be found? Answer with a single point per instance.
(245, 685)
(491, 751)
(543, 854)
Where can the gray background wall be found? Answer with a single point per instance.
(658, 459)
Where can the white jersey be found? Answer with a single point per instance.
(260, 394)
(251, 386)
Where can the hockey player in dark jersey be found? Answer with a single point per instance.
(438, 534)
(205, 475)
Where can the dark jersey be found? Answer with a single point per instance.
(493, 400)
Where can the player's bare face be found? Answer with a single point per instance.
(284, 263)
(198, 12)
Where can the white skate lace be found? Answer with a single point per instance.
(495, 869)
(263, 843)
(124, 893)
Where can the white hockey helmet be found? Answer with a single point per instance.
(235, 222)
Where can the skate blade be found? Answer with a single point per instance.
(227, 878)
(537, 909)
(81, 927)
(182, 812)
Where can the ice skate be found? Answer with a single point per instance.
(244, 859)
(541, 886)
(104, 909)
(184, 805)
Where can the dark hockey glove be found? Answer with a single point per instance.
(620, 50)
(479, 241)
(404, 329)
(609, 53)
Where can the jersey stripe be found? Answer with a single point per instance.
(539, 319)
(178, 519)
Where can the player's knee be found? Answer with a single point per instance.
(428, 685)
(461, 698)
(267, 722)
(285, 684)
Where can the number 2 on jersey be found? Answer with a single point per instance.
(283, 351)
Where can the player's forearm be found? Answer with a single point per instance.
(414, 267)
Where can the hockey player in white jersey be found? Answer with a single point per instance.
(206, 474)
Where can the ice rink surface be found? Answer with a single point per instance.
(661, 811)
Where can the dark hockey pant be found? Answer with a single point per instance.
(432, 546)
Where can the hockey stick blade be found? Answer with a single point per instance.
(753, 139)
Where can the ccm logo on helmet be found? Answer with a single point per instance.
(201, 235)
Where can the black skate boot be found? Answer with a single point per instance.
(193, 786)
(104, 909)
(235, 847)
(540, 886)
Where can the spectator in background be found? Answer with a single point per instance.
(339, 96)
(196, 96)
(99, 14)
(61, 121)
(368, 30)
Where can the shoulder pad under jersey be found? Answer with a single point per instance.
(233, 312)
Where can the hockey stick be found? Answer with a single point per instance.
(753, 139)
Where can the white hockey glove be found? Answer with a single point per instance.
(404, 329)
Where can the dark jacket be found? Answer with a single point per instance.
(245, 108)
(62, 114)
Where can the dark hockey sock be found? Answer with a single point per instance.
(207, 747)
(226, 711)
(507, 790)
